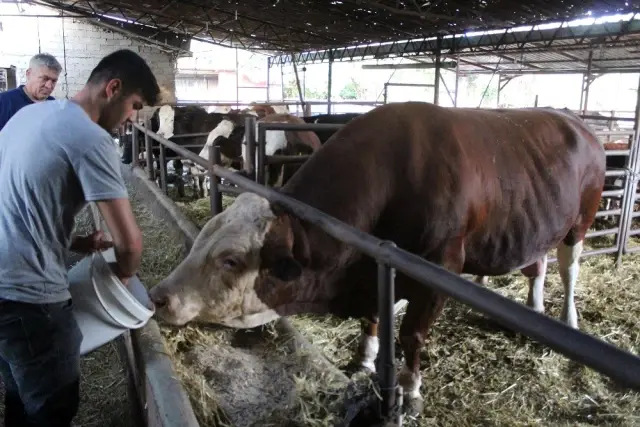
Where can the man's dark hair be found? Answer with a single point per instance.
(132, 70)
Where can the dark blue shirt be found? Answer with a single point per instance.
(11, 101)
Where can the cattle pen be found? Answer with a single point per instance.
(479, 374)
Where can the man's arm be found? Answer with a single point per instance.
(127, 238)
(98, 170)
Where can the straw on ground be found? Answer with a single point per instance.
(475, 373)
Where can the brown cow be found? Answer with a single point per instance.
(478, 191)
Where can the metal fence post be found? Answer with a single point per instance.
(214, 181)
(262, 141)
(250, 147)
(134, 146)
(149, 151)
(629, 197)
(386, 356)
(163, 169)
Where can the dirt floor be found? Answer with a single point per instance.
(476, 373)
(103, 385)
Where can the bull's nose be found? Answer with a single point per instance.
(159, 299)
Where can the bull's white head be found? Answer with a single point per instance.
(243, 266)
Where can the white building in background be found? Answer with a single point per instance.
(79, 50)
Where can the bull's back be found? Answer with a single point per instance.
(509, 182)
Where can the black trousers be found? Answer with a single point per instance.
(39, 363)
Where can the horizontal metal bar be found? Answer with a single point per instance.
(613, 193)
(610, 212)
(410, 84)
(635, 215)
(617, 152)
(283, 160)
(548, 72)
(614, 132)
(413, 66)
(592, 252)
(607, 118)
(600, 251)
(631, 249)
(184, 145)
(615, 173)
(190, 135)
(299, 126)
(633, 232)
(605, 358)
(195, 103)
(610, 231)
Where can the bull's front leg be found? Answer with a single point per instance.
(420, 316)
(423, 310)
(369, 343)
(367, 349)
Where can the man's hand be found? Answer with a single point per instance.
(116, 270)
(89, 244)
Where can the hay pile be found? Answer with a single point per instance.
(238, 378)
(475, 373)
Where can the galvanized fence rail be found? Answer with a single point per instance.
(618, 364)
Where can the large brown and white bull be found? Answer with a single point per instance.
(482, 192)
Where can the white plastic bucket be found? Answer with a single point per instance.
(103, 307)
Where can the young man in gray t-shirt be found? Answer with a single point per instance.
(54, 158)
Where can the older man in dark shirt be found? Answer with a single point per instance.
(42, 76)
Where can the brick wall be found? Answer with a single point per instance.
(85, 45)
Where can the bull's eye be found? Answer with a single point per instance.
(230, 263)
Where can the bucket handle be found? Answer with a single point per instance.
(124, 323)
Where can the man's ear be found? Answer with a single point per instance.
(113, 88)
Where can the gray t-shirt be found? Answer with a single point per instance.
(53, 160)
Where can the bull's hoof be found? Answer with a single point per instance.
(355, 367)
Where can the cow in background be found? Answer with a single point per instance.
(230, 137)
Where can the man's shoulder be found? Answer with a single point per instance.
(11, 94)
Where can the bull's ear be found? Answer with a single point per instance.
(286, 268)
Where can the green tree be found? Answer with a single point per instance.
(352, 90)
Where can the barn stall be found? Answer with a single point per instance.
(476, 374)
